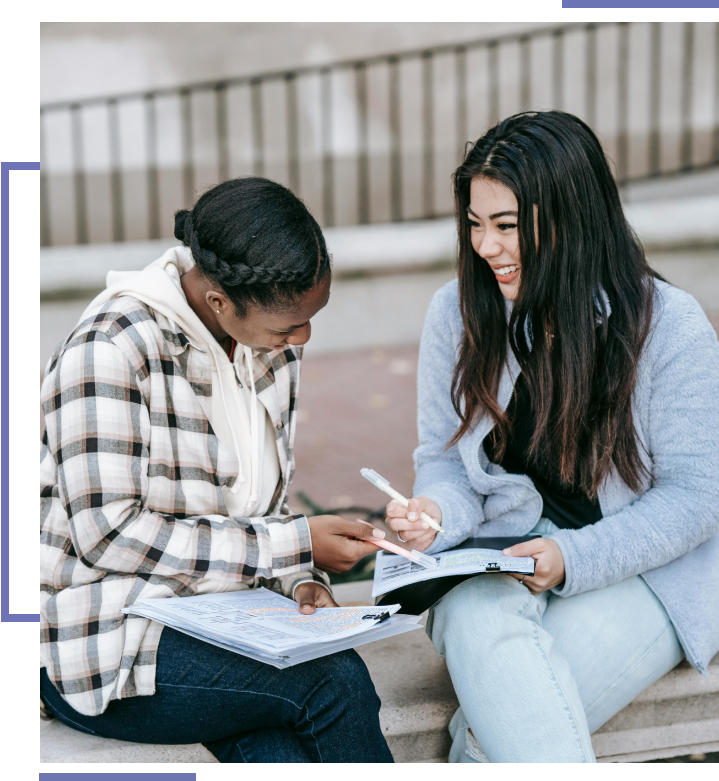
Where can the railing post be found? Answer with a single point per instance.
(363, 213)
(590, 100)
(293, 132)
(258, 162)
(622, 100)
(118, 217)
(328, 184)
(525, 75)
(655, 97)
(223, 152)
(493, 76)
(460, 60)
(45, 227)
(715, 140)
(153, 179)
(78, 167)
(188, 169)
(687, 102)
(395, 131)
(558, 69)
(428, 134)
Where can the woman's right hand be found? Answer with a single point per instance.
(418, 534)
(338, 544)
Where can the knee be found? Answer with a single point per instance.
(476, 612)
(350, 678)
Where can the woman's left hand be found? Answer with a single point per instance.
(549, 563)
(311, 595)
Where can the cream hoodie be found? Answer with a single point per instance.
(237, 416)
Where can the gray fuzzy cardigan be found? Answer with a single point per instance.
(667, 532)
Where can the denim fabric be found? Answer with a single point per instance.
(325, 710)
(536, 675)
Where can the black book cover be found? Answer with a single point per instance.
(418, 597)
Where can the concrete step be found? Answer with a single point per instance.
(678, 715)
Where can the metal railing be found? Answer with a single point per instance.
(409, 116)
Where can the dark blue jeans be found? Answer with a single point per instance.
(325, 710)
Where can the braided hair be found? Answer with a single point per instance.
(257, 241)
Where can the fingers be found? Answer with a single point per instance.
(360, 530)
(310, 596)
(402, 524)
(395, 510)
(323, 598)
(531, 548)
(423, 504)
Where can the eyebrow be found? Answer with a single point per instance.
(494, 216)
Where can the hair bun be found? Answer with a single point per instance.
(181, 218)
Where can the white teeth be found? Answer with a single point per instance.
(506, 270)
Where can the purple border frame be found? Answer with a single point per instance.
(687, 4)
(118, 776)
(5, 614)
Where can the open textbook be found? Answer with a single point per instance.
(270, 628)
(393, 572)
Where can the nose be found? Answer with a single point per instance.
(487, 246)
(300, 335)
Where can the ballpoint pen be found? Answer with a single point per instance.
(378, 481)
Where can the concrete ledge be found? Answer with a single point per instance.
(379, 250)
(678, 715)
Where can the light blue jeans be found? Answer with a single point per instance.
(536, 675)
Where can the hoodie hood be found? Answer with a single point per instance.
(237, 421)
(600, 295)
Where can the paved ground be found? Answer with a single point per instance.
(356, 409)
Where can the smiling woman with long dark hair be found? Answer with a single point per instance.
(566, 392)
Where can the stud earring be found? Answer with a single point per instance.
(218, 311)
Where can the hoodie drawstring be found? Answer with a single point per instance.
(240, 477)
(254, 430)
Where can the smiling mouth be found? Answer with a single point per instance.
(505, 271)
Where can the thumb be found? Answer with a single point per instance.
(530, 548)
(307, 602)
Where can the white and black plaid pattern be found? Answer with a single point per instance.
(131, 499)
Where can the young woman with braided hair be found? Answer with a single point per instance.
(170, 417)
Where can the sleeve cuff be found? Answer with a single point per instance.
(565, 590)
(310, 580)
(291, 545)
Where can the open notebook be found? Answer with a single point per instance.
(415, 588)
(270, 628)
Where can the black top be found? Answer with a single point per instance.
(567, 508)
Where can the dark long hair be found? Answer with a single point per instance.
(584, 304)
(256, 240)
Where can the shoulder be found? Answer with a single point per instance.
(125, 322)
(678, 321)
(446, 300)
(444, 313)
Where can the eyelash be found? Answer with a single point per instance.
(502, 225)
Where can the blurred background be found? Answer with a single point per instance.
(366, 123)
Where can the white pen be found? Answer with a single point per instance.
(383, 485)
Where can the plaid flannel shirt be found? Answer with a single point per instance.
(131, 498)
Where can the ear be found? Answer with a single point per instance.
(219, 302)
